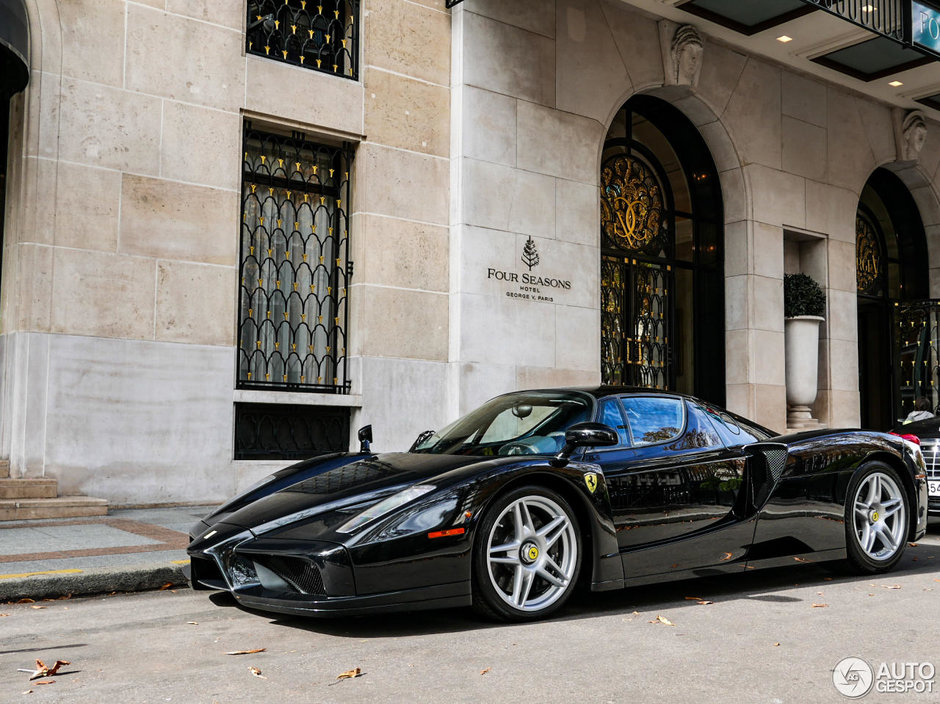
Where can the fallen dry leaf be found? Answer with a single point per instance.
(801, 559)
(166, 586)
(28, 691)
(246, 652)
(45, 682)
(4, 615)
(37, 607)
(663, 620)
(192, 623)
(256, 672)
(25, 600)
(890, 586)
(776, 645)
(820, 606)
(705, 602)
(693, 598)
(483, 672)
(827, 579)
(349, 674)
(913, 545)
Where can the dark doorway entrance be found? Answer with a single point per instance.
(892, 283)
(662, 261)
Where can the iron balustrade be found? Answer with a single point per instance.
(322, 35)
(294, 264)
(885, 17)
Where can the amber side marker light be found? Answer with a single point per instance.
(445, 533)
(910, 438)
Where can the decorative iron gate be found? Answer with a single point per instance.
(916, 361)
(636, 322)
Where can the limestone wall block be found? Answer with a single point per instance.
(533, 15)
(34, 290)
(770, 404)
(479, 383)
(508, 60)
(589, 71)
(489, 126)
(737, 248)
(93, 40)
(768, 250)
(577, 212)
(207, 66)
(392, 252)
(171, 220)
(578, 339)
(777, 197)
(842, 266)
(719, 143)
(482, 249)
(734, 195)
(405, 113)
(737, 357)
(842, 317)
(401, 184)
(35, 211)
(766, 302)
(109, 127)
(737, 294)
(303, 95)
(722, 69)
(879, 128)
(87, 201)
(407, 38)
(401, 323)
(804, 99)
(843, 367)
(831, 210)
(804, 149)
(495, 328)
(504, 198)
(42, 108)
(850, 157)
(753, 113)
(769, 366)
(637, 39)
(224, 12)
(104, 295)
(195, 303)
(201, 145)
(555, 377)
(558, 143)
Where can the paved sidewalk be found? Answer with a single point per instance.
(127, 550)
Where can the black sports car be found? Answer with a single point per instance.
(511, 506)
(927, 433)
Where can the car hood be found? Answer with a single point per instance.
(357, 484)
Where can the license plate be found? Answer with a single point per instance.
(933, 488)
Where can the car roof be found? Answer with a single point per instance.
(602, 390)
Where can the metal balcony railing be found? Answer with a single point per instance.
(885, 17)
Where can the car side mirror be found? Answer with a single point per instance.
(585, 435)
(365, 439)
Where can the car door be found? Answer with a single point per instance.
(677, 492)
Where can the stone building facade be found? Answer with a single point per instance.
(466, 255)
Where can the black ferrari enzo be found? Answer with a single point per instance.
(513, 505)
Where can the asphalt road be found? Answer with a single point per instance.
(762, 639)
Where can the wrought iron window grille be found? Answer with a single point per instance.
(322, 35)
(294, 264)
(885, 17)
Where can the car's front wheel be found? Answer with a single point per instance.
(876, 519)
(527, 555)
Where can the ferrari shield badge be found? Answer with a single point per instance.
(591, 480)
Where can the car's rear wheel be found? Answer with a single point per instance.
(876, 519)
(527, 555)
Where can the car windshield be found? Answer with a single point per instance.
(525, 423)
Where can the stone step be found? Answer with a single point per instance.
(4, 469)
(28, 488)
(61, 507)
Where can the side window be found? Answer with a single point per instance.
(732, 433)
(611, 414)
(654, 420)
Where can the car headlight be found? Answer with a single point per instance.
(385, 506)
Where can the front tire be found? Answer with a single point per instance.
(876, 519)
(526, 556)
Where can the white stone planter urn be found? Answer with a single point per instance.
(801, 339)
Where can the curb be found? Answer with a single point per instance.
(92, 581)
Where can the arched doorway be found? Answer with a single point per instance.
(892, 284)
(662, 274)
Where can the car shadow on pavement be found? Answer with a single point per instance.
(769, 585)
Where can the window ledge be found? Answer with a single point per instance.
(299, 398)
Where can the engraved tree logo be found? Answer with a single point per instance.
(530, 255)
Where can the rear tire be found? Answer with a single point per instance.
(877, 513)
(526, 556)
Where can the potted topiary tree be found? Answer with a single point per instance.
(804, 305)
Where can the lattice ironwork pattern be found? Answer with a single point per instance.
(635, 323)
(318, 34)
(295, 267)
(286, 432)
(869, 263)
(632, 208)
(916, 332)
(882, 16)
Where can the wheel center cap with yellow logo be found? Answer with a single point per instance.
(874, 516)
(529, 553)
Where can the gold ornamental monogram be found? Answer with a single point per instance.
(867, 256)
(631, 203)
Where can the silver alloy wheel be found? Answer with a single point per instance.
(880, 518)
(531, 553)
